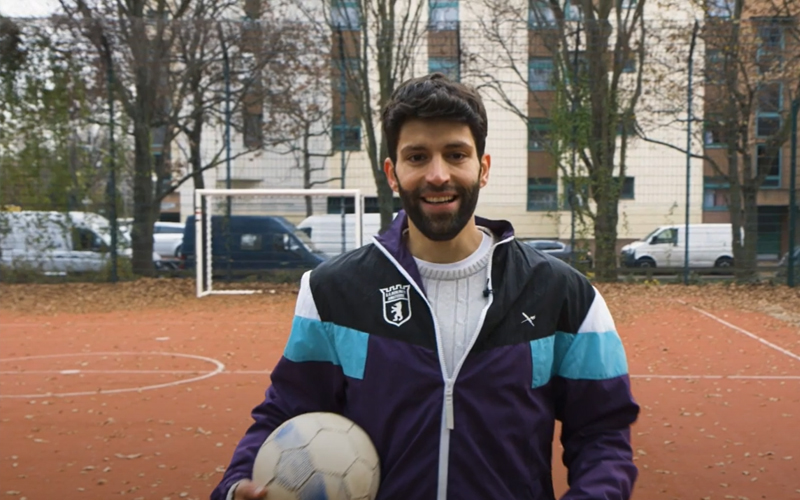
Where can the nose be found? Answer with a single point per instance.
(438, 172)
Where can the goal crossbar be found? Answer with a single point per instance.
(203, 231)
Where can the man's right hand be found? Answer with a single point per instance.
(248, 490)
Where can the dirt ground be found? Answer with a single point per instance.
(140, 390)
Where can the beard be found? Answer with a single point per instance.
(440, 226)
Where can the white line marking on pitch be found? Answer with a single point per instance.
(751, 335)
(164, 323)
(719, 377)
(220, 367)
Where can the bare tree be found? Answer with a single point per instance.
(298, 105)
(589, 96)
(749, 74)
(373, 45)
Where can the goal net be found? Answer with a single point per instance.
(241, 240)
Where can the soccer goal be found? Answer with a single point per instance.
(241, 240)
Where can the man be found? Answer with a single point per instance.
(453, 345)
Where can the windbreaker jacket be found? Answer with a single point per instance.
(547, 349)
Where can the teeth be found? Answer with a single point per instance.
(440, 200)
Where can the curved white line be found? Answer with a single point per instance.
(219, 368)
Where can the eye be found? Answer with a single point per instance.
(458, 156)
(415, 158)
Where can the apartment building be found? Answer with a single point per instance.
(525, 186)
(766, 64)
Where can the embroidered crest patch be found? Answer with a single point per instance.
(396, 304)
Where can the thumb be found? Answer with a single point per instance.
(248, 490)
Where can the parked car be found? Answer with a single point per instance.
(563, 251)
(59, 242)
(252, 243)
(710, 245)
(167, 239)
(326, 231)
(783, 266)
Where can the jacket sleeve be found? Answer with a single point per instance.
(307, 378)
(593, 401)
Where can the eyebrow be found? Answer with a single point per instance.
(420, 147)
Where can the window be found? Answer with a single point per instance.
(628, 124)
(352, 137)
(542, 194)
(715, 66)
(253, 132)
(629, 65)
(576, 189)
(449, 66)
(769, 54)
(669, 236)
(770, 102)
(85, 240)
(719, 8)
(715, 193)
(443, 15)
(370, 205)
(713, 132)
(546, 245)
(538, 133)
(540, 73)
(628, 4)
(345, 15)
(540, 15)
(770, 98)
(250, 242)
(768, 163)
(626, 190)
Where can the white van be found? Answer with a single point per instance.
(325, 231)
(58, 242)
(710, 245)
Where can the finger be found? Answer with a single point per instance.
(247, 490)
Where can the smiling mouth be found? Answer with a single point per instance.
(439, 200)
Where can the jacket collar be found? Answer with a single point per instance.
(392, 240)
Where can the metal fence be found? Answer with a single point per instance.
(608, 141)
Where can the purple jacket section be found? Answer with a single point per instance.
(500, 447)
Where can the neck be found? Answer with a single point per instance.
(444, 252)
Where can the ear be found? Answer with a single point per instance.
(486, 165)
(388, 169)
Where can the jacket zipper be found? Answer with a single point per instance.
(448, 417)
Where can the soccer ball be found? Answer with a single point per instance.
(318, 456)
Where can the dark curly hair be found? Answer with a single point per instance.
(434, 97)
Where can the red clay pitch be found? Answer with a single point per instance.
(182, 386)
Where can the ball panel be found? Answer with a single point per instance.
(331, 452)
(295, 433)
(358, 480)
(278, 492)
(266, 462)
(294, 468)
(362, 442)
(314, 489)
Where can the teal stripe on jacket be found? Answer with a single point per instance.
(314, 340)
(587, 356)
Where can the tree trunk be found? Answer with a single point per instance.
(307, 168)
(195, 159)
(746, 268)
(605, 234)
(735, 212)
(142, 231)
(385, 193)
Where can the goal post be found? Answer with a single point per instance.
(264, 221)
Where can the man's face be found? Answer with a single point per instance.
(438, 176)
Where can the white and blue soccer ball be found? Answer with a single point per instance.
(318, 456)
